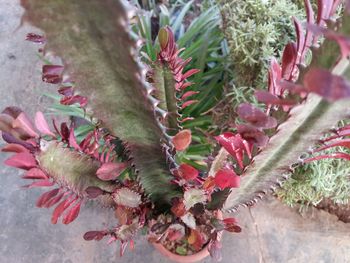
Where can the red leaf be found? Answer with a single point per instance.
(226, 178)
(110, 171)
(12, 111)
(22, 160)
(337, 155)
(178, 208)
(94, 235)
(35, 38)
(231, 225)
(66, 91)
(182, 140)
(300, 40)
(53, 201)
(289, 58)
(235, 145)
(25, 124)
(255, 116)
(45, 197)
(327, 85)
(35, 173)
(72, 140)
(52, 74)
(61, 208)
(196, 240)
(94, 192)
(74, 99)
(187, 172)
(41, 124)
(72, 214)
(310, 21)
(323, 11)
(252, 135)
(9, 138)
(275, 75)
(64, 132)
(342, 143)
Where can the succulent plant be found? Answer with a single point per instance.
(131, 161)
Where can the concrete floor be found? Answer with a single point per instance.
(271, 231)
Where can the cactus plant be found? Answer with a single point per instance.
(131, 159)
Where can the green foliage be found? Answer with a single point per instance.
(256, 30)
(313, 182)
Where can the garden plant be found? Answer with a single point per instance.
(176, 115)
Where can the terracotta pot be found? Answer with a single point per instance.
(190, 258)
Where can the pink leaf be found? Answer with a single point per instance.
(185, 85)
(110, 171)
(182, 140)
(15, 148)
(41, 183)
(327, 85)
(189, 94)
(255, 116)
(42, 125)
(61, 208)
(189, 73)
(94, 192)
(22, 160)
(300, 40)
(25, 124)
(53, 201)
(45, 197)
(35, 173)
(226, 178)
(188, 103)
(310, 21)
(72, 214)
(268, 98)
(123, 245)
(94, 235)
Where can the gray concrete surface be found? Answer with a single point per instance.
(271, 231)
